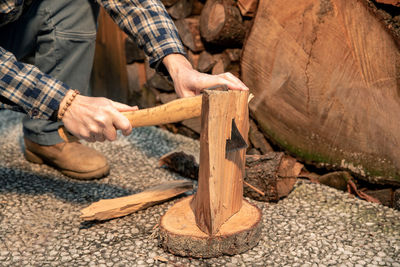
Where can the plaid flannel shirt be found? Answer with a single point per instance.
(25, 88)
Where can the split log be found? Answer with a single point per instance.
(385, 196)
(181, 163)
(194, 124)
(233, 54)
(247, 7)
(206, 62)
(325, 76)
(189, 31)
(132, 52)
(169, 3)
(167, 97)
(161, 83)
(338, 180)
(220, 191)
(258, 140)
(389, 2)
(181, 9)
(221, 23)
(136, 76)
(117, 207)
(197, 7)
(221, 63)
(396, 199)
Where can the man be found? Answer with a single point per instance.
(58, 37)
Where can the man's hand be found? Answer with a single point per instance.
(190, 82)
(95, 118)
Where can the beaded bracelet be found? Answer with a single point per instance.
(67, 104)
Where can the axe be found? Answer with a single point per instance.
(173, 111)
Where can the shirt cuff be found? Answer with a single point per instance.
(167, 46)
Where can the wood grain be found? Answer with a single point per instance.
(220, 190)
(325, 76)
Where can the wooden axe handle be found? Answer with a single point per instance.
(174, 111)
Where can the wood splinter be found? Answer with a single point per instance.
(117, 207)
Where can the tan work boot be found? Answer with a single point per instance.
(72, 159)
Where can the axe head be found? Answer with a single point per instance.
(236, 142)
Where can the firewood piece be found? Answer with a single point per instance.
(258, 140)
(136, 77)
(197, 7)
(389, 2)
(220, 190)
(189, 31)
(338, 180)
(180, 235)
(112, 208)
(194, 124)
(181, 163)
(181, 9)
(169, 3)
(396, 199)
(221, 63)
(132, 52)
(233, 54)
(167, 97)
(193, 59)
(385, 196)
(234, 68)
(206, 62)
(273, 173)
(288, 171)
(247, 7)
(314, 89)
(161, 83)
(221, 23)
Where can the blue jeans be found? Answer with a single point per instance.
(57, 36)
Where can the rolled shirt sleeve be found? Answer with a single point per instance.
(148, 23)
(25, 88)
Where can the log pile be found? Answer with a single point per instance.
(212, 32)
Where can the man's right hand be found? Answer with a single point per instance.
(95, 118)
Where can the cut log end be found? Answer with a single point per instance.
(180, 235)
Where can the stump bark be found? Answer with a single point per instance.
(180, 235)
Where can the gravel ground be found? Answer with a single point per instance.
(40, 226)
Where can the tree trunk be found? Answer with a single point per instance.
(325, 79)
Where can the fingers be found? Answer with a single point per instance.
(227, 78)
(120, 122)
(233, 82)
(122, 107)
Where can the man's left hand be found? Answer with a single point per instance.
(190, 82)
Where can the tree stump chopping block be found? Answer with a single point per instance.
(180, 235)
(216, 220)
